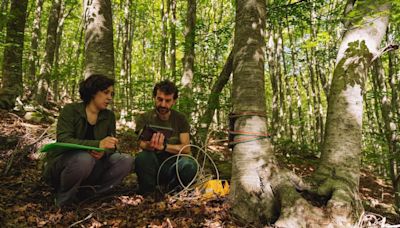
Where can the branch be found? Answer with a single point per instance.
(81, 221)
(389, 47)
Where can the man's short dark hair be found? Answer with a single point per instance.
(93, 84)
(166, 87)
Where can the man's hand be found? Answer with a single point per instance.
(96, 154)
(108, 142)
(157, 141)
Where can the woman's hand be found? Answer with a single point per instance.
(96, 154)
(108, 142)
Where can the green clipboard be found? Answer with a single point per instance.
(58, 145)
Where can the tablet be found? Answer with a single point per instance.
(149, 129)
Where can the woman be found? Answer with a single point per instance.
(76, 174)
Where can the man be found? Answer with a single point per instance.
(158, 149)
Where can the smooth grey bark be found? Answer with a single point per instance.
(12, 60)
(48, 60)
(251, 197)
(262, 192)
(339, 170)
(99, 45)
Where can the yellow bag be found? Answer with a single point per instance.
(215, 188)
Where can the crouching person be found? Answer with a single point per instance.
(157, 150)
(77, 174)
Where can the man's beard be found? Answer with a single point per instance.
(162, 110)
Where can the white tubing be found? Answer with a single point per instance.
(199, 170)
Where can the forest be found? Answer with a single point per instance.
(296, 101)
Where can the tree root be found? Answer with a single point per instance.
(342, 207)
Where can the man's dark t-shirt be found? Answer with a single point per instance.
(176, 121)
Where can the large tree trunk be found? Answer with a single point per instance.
(251, 196)
(262, 192)
(12, 61)
(51, 39)
(189, 55)
(99, 46)
(339, 169)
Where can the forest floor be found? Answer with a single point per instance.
(25, 201)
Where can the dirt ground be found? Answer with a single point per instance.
(26, 201)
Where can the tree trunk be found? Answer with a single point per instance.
(308, 132)
(393, 80)
(3, 8)
(77, 69)
(213, 100)
(189, 55)
(99, 46)
(12, 60)
(122, 41)
(125, 72)
(339, 169)
(316, 76)
(33, 57)
(288, 121)
(173, 40)
(47, 64)
(274, 77)
(60, 30)
(252, 200)
(296, 86)
(164, 31)
(262, 192)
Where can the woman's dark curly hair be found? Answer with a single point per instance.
(166, 87)
(93, 84)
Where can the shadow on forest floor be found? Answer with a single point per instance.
(25, 201)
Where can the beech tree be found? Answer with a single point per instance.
(264, 193)
(99, 46)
